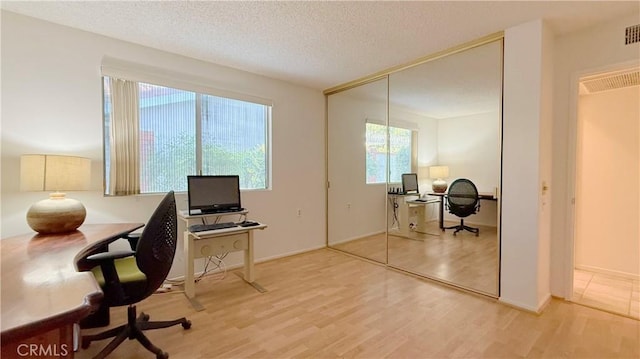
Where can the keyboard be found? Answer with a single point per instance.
(210, 227)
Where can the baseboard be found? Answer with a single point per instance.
(608, 272)
(542, 305)
(356, 238)
(288, 254)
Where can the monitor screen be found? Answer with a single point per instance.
(211, 194)
(410, 183)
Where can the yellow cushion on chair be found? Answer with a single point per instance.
(127, 271)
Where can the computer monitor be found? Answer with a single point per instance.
(410, 183)
(213, 194)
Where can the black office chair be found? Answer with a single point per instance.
(463, 201)
(127, 277)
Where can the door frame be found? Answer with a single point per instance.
(572, 161)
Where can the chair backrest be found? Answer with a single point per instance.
(462, 197)
(157, 245)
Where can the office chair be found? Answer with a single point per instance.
(127, 277)
(463, 201)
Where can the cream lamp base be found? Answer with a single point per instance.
(56, 215)
(439, 186)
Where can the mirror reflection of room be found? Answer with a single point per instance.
(428, 125)
(453, 104)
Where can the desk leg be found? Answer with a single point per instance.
(422, 219)
(189, 285)
(248, 260)
(441, 219)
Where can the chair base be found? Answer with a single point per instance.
(133, 330)
(463, 227)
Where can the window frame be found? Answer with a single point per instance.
(198, 119)
(412, 148)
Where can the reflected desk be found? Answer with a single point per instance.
(417, 210)
(398, 215)
(483, 196)
(43, 294)
(214, 242)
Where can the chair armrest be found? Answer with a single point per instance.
(101, 257)
(82, 264)
(133, 239)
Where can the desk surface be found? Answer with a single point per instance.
(41, 289)
(482, 195)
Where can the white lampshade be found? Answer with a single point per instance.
(55, 173)
(438, 173)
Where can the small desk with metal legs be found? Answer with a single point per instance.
(220, 241)
(443, 197)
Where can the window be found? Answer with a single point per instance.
(183, 133)
(399, 152)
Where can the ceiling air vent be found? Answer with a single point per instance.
(612, 81)
(632, 34)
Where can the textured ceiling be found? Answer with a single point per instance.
(315, 44)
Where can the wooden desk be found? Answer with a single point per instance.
(443, 196)
(43, 294)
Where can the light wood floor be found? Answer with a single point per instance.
(607, 292)
(326, 304)
(464, 259)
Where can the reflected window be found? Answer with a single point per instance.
(399, 153)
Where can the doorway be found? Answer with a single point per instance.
(606, 271)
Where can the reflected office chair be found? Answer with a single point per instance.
(127, 277)
(463, 201)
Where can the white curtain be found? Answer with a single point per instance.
(124, 137)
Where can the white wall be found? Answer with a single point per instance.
(591, 50)
(607, 191)
(52, 103)
(523, 278)
(470, 146)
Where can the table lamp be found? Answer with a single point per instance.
(57, 214)
(438, 173)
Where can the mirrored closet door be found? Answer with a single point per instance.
(357, 170)
(453, 106)
(394, 141)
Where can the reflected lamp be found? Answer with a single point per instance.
(437, 173)
(57, 214)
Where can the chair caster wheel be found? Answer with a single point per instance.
(144, 317)
(187, 324)
(162, 355)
